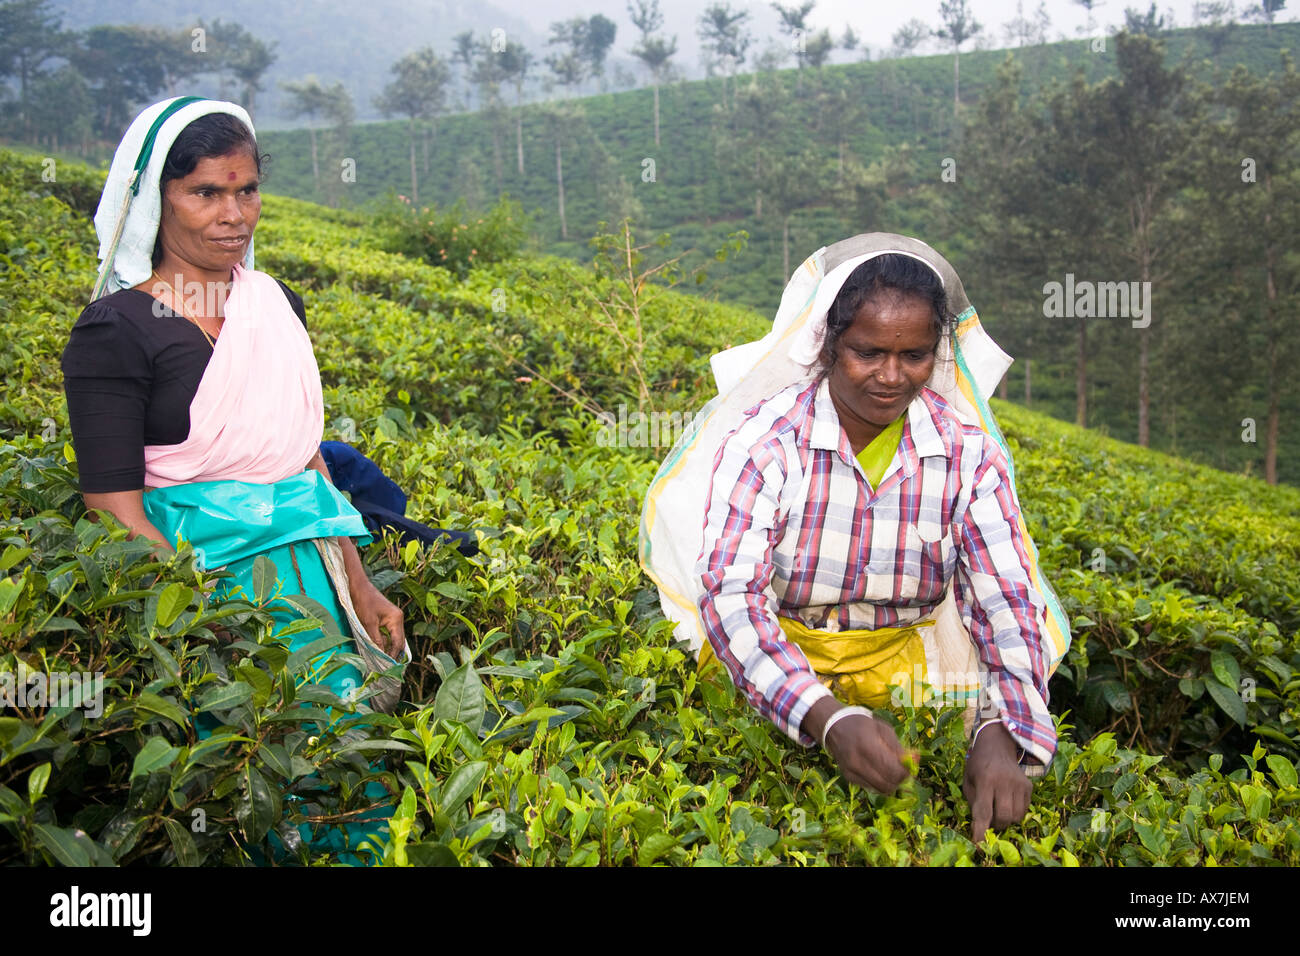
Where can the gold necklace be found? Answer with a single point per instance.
(185, 310)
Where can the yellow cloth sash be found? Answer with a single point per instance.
(857, 666)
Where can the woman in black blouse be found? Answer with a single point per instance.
(195, 399)
(139, 361)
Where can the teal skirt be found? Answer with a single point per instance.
(231, 524)
(300, 570)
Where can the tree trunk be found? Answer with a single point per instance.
(956, 81)
(519, 139)
(315, 163)
(1144, 375)
(1270, 301)
(1081, 378)
(785, 246)
(1144, 389)
(1173, 420)
(559, 181)
(415, 183)
(656, 114)
(424, 146)
(496, 153)
(1274, 422)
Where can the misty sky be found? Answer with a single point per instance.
(1066, 15)
(873, 20)
(876, 21)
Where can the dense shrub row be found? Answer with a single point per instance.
(550, 719)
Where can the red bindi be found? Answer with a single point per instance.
(229, 176)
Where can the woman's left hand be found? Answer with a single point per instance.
(378, 613)
(995, 786)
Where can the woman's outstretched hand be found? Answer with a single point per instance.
(995, 786)
(382, 618)
(866, 749)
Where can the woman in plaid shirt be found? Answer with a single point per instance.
(854, 501)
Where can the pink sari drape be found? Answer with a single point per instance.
(258, 414)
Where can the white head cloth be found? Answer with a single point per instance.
(789, 353)
(133, 260)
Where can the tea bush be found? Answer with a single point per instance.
(548, 717)
(452, 237)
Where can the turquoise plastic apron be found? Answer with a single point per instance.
(229, 524)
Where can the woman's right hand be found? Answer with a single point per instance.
(866, 749)
(868, 753)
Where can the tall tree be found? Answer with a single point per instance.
(62, 110)
(463, 54)
(237, 57)
(184, 62)
(1128, 138)
(909, 37)
(1258, 195)
(1032, 174)
(1020, 28)
(850, 41)
(653, 51)
(839, 113)
(794, 182)
(1014, 205)
(564, 121)
(248, 62)
(1149, 23)
(585, 44)
(726, 38)
(570, 64)
(1216, 20)
(124, 67)
(598, 38)
(516, 61)
(811, 48)
(418, 91)
(307, 97)
(1148, 114)
(741, 141)
(818, 48)
(1091, 6)
(341, 113)
(794, 21)
(958, 27)
(1266, 12)
(754, 140)
(30, 35)
(489, 74)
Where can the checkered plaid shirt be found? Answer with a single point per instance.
(794, 528)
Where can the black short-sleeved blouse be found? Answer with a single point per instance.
(129, 376)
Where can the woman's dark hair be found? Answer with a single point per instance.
(890, 273)
(209, 136)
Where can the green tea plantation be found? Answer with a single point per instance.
(548, 717)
